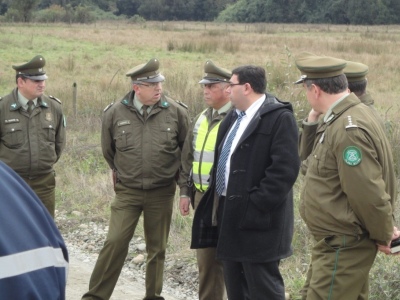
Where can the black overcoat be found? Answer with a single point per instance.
(256, 224)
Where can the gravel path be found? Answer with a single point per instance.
(84, 244)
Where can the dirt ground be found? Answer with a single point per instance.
(78, 282)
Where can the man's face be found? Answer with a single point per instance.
(236, 90)
(216, 94)
(149, 93)
(31, 89)
(311, 95)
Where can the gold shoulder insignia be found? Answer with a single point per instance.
(181, 104)
(108, 106)
(54, 98)
(350, 123)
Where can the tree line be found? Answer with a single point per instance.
(365, 12)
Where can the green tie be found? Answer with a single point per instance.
(30, 106)
(145, 113)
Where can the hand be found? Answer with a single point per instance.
(386, 248)
(313, 116)
(184, 205)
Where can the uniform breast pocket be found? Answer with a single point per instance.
(124, 138)
(49, 132)
(168, 136)
(323, 162)
(13, 137)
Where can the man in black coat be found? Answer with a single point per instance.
(248, 209)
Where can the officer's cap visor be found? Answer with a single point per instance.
(36, 77)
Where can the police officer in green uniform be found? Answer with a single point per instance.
(357, 83)
(142, 137)
(32, 130)
(349, 187)
(197, 160)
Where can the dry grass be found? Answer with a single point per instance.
(96, 58)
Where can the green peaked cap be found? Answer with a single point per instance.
(147, 72)
(313, 66)
(214, 74)
(32, 69)
(355, 71)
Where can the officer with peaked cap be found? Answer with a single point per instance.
(349, 186)
(142, 138)
(197, 160)
(32, 130)
(356, 77)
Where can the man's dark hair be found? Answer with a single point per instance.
(330, 85)
(253, 75)
(358, 87)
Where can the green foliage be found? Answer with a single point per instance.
(136, 19)
(368, 12)
(25, 8)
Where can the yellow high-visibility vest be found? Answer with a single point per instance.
(204, 139)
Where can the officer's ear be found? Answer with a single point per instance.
(135, 87)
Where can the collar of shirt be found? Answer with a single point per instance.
(24, 101)
(138, 105)
(250, 112)
(328, 114)
(224, 108)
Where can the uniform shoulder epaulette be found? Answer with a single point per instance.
(54, 98)
(108, 106)
(350, 123)
(181, 104)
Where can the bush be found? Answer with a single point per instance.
(136, 19)
(53, 14)
(13, 15)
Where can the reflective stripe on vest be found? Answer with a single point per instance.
(204, 141)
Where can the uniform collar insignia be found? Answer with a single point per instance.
(14, 106)
(125, 101)
(164, 104)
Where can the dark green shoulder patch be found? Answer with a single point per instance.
(181, 104)
(54, 98)
(108, 106)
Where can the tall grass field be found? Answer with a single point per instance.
(86, 65)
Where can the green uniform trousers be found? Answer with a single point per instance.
(126, 209)
(211, 276)
(45, 188)
(340, 268)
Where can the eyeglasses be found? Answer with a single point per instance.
(151, 84)
(233, 84)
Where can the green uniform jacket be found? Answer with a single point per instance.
(307, 136)
(31, 145)
(188, 151)
(147, 154)
(345, 195)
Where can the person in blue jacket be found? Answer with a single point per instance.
(33, 255)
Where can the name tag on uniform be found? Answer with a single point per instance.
(11, 121)
(125, 122)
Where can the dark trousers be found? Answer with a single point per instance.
(129, 204)
(253, 281)
(44, 187)
(211, 276)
